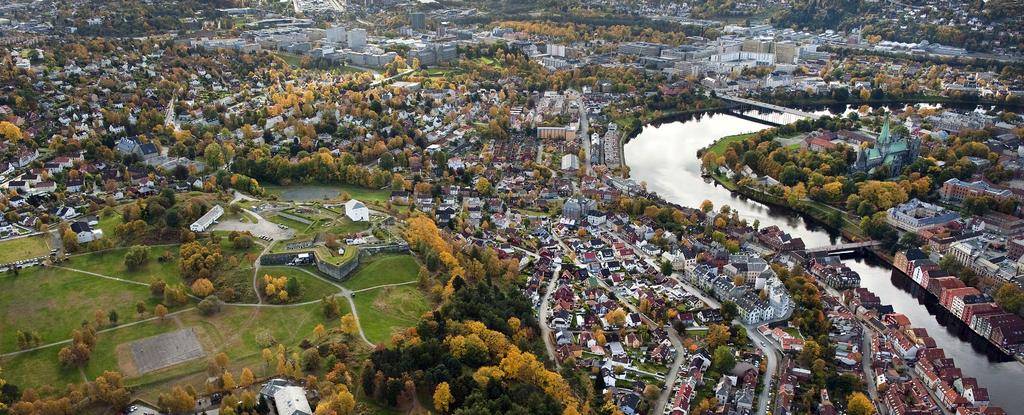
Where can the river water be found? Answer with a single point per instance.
(664, 157)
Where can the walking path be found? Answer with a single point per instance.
(345, 292)
(106, 330)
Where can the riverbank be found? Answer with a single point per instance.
(929, 99)
(631, 126)
(664, 158)
(828, 216)
(823, 214)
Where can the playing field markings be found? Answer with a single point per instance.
(164, 350)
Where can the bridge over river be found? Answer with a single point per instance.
(773, 114)
(847, 247)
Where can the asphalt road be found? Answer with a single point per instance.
(545, 313)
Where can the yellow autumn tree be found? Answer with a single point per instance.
(9, 131)
(349, 325)
(247, 378)
(442, 397)
(228, 381)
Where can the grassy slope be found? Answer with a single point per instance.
(312, 288)
(23, 248)
(111, 262)
(719, 146)
(53, 302)
(232, 331)
(387, 269)
(385, 311)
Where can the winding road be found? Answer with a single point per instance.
(545, 314)
(673, 336)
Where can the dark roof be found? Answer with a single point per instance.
(79, 227)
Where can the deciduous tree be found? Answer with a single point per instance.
(349, 325)
(247, 377)
(442, 397)
(859, 405)
(202, 287)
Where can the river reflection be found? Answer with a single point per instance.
(664, 157)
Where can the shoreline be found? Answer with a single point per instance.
(808, 210)
(631, 132)
(827, 102)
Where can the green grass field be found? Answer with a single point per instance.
(312, 288)
(53, 302)
(381, 270)
(37, 368)
(389, 310)
(331, 256)
(24, 248)
(489, 61)
(111, 263)
(109, 223)
(793, 331)
(719, 146)
(345, 226)
(233, 331)
(290, 58)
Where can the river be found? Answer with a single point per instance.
(664, 157)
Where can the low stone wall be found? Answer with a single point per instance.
(278, 259)
(338, 272)
(296, 218)
(395, 248)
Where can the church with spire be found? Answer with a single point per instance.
(893, 150)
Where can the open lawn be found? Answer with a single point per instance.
(228, 248)
(439, 72)
(38, 368)
(233, 331)
(111, 263)
(345, 226)
(108, 223)
(384, 269)
(332, 256)
(793, 331)
(489, 61)
(291, 59)
(53, 302)
(312, 288)
(308, 193)
(299, 227)
(529, 212)
(386, 311)
(24, 248)
(719, 146)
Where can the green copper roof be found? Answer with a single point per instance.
(883, 137)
